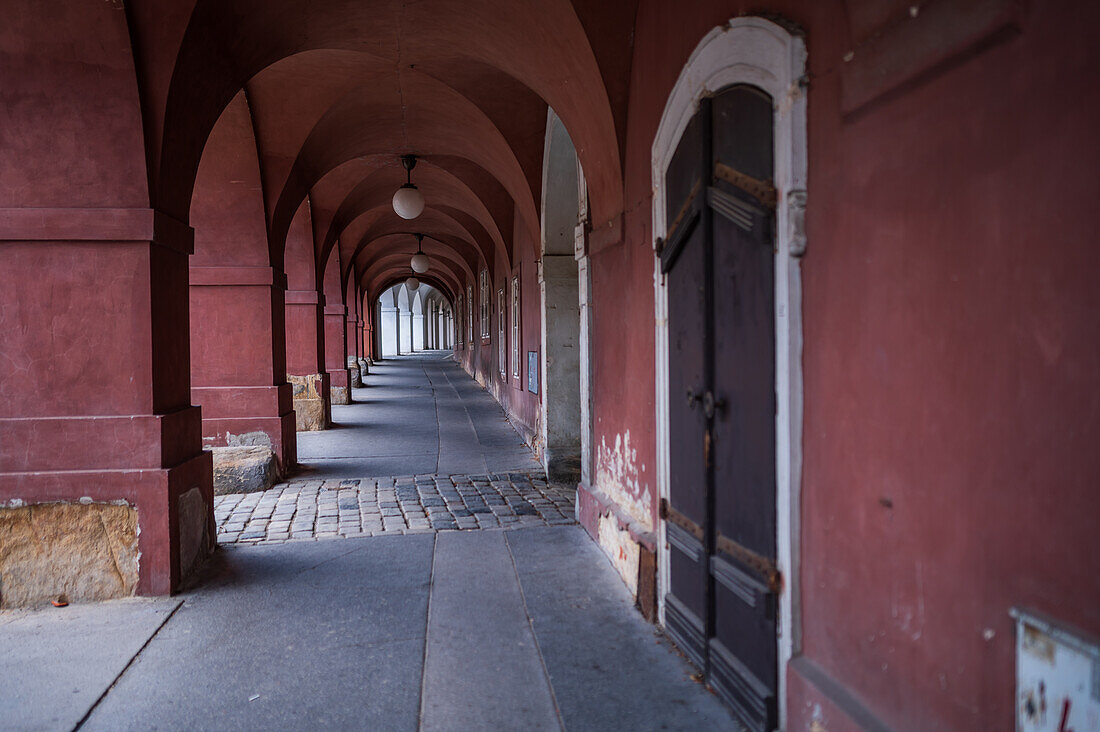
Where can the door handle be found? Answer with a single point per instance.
(692, 398)
(711, 404)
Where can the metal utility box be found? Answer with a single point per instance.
(1057, 677)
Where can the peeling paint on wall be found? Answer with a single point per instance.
(617, 478)
(622, 549)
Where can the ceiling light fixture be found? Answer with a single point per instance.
(408, 201)
(419, 261)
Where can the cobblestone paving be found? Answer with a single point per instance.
(315, 509)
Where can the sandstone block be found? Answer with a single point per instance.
(310, 407)
(81, 551)
(353, 369)
(243, 469)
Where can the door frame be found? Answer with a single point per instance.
(756, 51)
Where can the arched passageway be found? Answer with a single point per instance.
(210, 211)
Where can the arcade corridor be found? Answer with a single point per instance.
(770, 323)
(421, 414)
(422, 447)
(410, 629)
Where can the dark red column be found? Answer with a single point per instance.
(336, 360)
(238, 354)
(95, 404)
(104, 487)
(351, 338)
(305, 334)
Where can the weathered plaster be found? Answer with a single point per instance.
(617, 478)
(622, 549)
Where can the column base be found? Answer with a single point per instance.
(103, 534)
(250, 416)
(562, 465)
(339, 386)
(74, 552)
(312, 409)
(353, 370)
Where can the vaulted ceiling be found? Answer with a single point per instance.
(339, 90)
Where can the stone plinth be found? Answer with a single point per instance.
(340, 395)
(311, 408)
(79, 552)
(353, 369)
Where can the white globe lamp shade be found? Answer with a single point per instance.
(419, 263)
(412, 283)
(408, 202)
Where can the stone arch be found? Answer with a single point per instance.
(560, 399)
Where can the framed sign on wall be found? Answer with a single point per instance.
(533, 372)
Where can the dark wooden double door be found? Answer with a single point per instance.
(718, 260)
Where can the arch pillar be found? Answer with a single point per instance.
(239, 361)
(97, 422)
(366, 337)
(336, 312)
(390, 321)
(559, 291)
(418, 331)
(336, 360)
(351, 326)
(305, 333)
(238, 352)
(105, 490)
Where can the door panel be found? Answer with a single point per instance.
(744, 465)
(720, 521)
(684, 258)
(744, 428)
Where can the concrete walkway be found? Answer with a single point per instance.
(437, 629)
(418, 415)
(491, 629)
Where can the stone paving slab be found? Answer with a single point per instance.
(291, 636)
(56, 663)
(482, 669)
(316, 509)
(457, 630)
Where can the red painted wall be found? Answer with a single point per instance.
(480, 359)
(951, 341)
